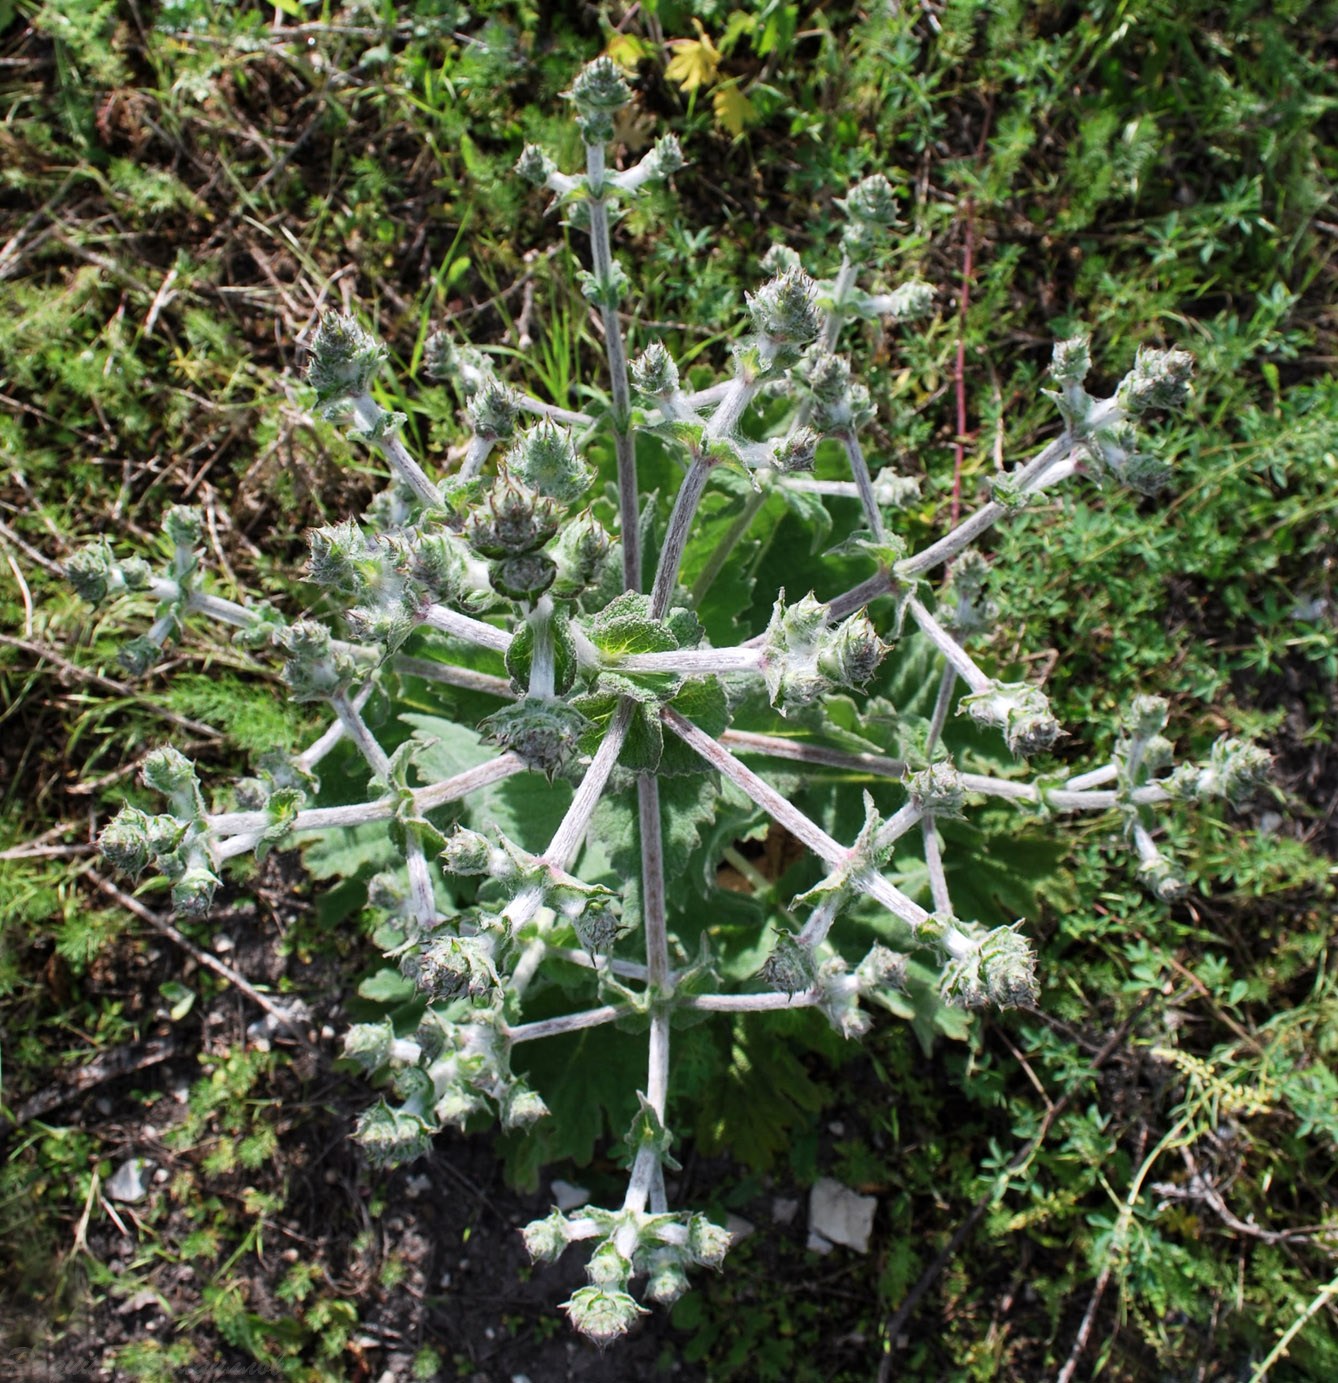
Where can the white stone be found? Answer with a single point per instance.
(568, 1197)
(127, 1184)
(840, 1215)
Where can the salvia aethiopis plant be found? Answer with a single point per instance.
(538, 568)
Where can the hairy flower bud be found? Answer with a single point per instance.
(1159, 379)
(521, 1107)
(515, 522)
(1145, 716)
(1022, 712)
(905, 303)
(871, 210)
(666, 1277)
(92, 572)
(707, 1243)
(850, 653)
(491, 411)
(871, 200)
(193, 892)
(535, 166)
(544, 459)
(602, 1315)
(338, 558)
(580, 550)
(370, 1044)
(184, 525)
(599, 93)
(446, 967)
(1071, 361)
(1008, 966)
(343, 359)
(545, 734)
(664, 159)
(437, 563)
(168, 771)
(789, 969)
(124, 841)
(795, 451)
(525, 577)
(469, 852)
(780, 259)
(469, 369)
(608, 1267)
(966, 609)
(1235, 769)
(390, 1136)
(1163, 878)
(546, 1239)
(937, 790)
(654, 372)
(139, 654)
(785, 309)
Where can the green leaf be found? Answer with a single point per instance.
(624, 626)
(387, 986)
(181, 999)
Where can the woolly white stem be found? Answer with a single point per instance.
(961, 661)
(569, 1022)
(367, 413)
(465, 627)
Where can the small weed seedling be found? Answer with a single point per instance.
(630, 712)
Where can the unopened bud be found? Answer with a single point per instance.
(124, 841)
(602, 1315)
(544, 458)
(167, 770)
(785, 309)
(1071, 361)
(343, 360)
(1159, 379)
(850, 653)
(183, 525)
(535, 166)
(654, 372)
(193, 892)
(492, 411)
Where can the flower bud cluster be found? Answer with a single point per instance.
(785, 317)
(1020, 710)
(1159, 379)
(96, 575)
(654, 373)
(464, 366)
(599, 93)
(659, 1247)
(965, 608)
(1235, 769)
(545, 733)
(997, 968)
(316, 668)
(937, 791)
(840, 406)
(342, 362)
(803, 657)
(871, 212)
(878, 976)
(448, 1070)
(175, 844)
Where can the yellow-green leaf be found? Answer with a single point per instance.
(733, 110)
(695, 62)
(628, 51)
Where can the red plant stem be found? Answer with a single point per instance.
(959, 379)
